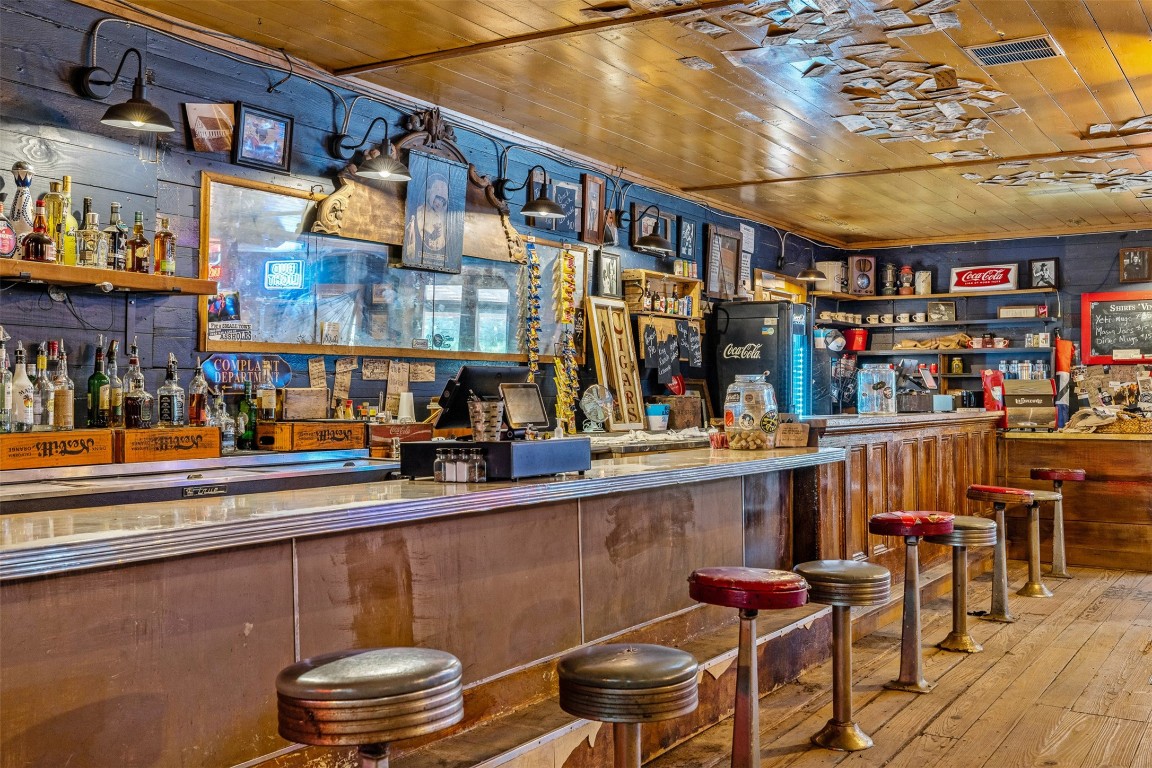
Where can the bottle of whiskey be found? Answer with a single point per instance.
(170, 398)
(138, 247)
(66, 247)
(118, 236)
(44, 401)
(64, 395)
(137, 400)
(164, 249)
(99, 390)
(266, 395)
(54, 214)
(5, 389)
(93, 243)
(7, 234)
(246, 421)
(23, 417)
(198, 398)
(115, 387)
(37, 245)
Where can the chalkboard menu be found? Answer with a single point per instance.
(1116, 327)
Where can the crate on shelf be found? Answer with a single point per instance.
(637, 281)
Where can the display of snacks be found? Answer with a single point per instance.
(750, 414)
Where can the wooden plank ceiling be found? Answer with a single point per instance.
(759, 137)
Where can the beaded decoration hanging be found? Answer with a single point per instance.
(532, 313)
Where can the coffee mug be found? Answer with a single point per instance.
(919, 317)
(887, 318)
(873, 318)
(903, 317)
(857, 319)
(842, 317)
(825, 315)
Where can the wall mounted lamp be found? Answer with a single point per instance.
(543, 207)
(384, 166)
(137, 113)
(654, 241)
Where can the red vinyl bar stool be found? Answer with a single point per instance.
(1058, 478)
(626, 685)
(966, 532)
(912, 526)
(843, 584)
(1000, 498)
(369, 698)
(751, 590)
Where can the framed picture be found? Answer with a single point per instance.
(1136, 265)
(700, 387)
(434, 213)
(722, 260)
(593, 229)
(608, 274)
(210, 126)
(687, 239)
(568, 196)
(263, 139)
(941, 311)
(614, 353)
(1044, 273)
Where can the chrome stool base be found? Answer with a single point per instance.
(842, 737)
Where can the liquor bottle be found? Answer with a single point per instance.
(90, 242)
(37, 245)
(64, 395)
(164, 249)
(21, 216)
(136, 249)
(44, 394)
(115, 387)
(23, 417)
(246, 421)
(7, 234)
(137, 400)
(117, 233)
(198, 398)
(266, 395)
(98, 390)
(66, 247)
(227, 426)
(170, 397)
(54, 214)
(5, 389)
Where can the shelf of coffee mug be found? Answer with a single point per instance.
(930, 296)
(1022, 321)
(88, 277)
(950, 352)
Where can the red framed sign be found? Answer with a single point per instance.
(988, 277)
(1116, 327)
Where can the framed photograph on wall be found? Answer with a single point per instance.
(1136, 265)
(608, 274)
(263, 139)
(210, 126)
(723, 261)
(687, 239)
(593, 229)
(1044, 273)
(941, 311)
(434, 227)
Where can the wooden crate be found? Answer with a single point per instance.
(34, 450)
(380, 437)
(167, 444)
(303, 403)
(311, 435)
(636, 281)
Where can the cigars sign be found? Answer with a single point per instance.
(991, 277)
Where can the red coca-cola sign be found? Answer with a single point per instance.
(990, 277)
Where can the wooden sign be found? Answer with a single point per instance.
(33, 450)
(311, 435)
(1116, 327)
(434, 214)
(615, 357)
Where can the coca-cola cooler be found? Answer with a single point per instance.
(750, 337)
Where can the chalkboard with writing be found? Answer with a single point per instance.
(665, 351)
(695, 346)
(682, 338)
(1116, 327)
(648, 352)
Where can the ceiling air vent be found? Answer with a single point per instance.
(1014, 51)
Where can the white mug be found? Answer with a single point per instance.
(903, 317)
(873, 318)
(919, 317)
(887, 318)
(825, 315)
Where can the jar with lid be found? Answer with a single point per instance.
(957, 365)
(750, 413)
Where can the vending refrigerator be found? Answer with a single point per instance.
(773, 337)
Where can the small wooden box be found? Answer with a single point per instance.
(684, 411)
(33, 450)
(311, 435)
(302, 403)
(169, 444)
(380, 437)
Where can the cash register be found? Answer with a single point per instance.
(524, 415)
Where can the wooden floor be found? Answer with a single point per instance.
(1069, 685)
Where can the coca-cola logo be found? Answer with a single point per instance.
(746, 352)
(982, 277)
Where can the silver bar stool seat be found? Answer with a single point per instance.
(843, 584)
(626, 685)
(967, 531)
(369, 698)
(1058, 478)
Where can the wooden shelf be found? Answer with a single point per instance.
(1008, 321)
(652, 275)
(950, 352)
(931, 296)
(668, 315)
(88, 277)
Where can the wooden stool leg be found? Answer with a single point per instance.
(959, 639)
(841, 733)
(746, 720)
(626, 745)
(911, 659)
(999, 610)
(1059, 564)
(1034, 587)
(373, 756)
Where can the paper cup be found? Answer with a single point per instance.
(486, 417)
(657, 423)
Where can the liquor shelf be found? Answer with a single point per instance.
(89, 277)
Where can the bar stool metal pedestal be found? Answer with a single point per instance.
(751, 590)
(626, 685)
(369, 698)
(912, 526)
(1058, 478)
(843, 584)
(966, 532)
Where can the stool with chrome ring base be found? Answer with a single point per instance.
(843, 584)
(912, 525)
(751, 590)
(1058, 478)
(966, 532)
(369, 698)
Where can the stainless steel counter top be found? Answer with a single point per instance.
(40, 543)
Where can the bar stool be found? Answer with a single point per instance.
(369, 698)
(912, 526)
(1058, 477)
(966, 532)
(751, 590)
(842, 584)
(1000, 498)
(627, 685)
